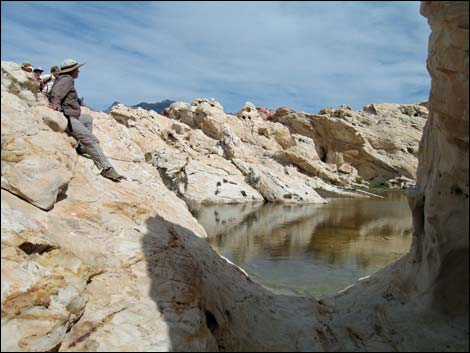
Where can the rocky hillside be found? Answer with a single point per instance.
(380, 142)
(92, 265)
(282, 156)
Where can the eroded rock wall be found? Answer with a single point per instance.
(420, 302)
(380, 142)
(440, 203)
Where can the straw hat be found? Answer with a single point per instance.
(69, 65)
(26, 64)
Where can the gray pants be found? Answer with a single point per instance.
(82, 130)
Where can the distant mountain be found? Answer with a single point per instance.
(159, 107)
(111, 107)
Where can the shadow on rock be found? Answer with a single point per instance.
(209, 304)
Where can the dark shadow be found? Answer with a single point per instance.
(210, 305)
(173, 256)
(202, 298)
(62, 194)
(31, 248)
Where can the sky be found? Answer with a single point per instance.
(302, 55)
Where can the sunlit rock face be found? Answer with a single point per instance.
(380, 142)
(92, 265)
(336, 149)
(72, 240)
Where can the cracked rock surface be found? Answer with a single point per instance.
(92, 265)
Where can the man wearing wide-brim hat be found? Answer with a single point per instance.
(69, 65)
(64, 98)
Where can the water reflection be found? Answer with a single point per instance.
(318, 249)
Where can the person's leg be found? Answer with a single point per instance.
(87, 120)
(89, 143)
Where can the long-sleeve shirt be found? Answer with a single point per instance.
(49, 81)
(64, 96)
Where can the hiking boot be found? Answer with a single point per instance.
(111, 173)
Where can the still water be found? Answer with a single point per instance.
(310, 249)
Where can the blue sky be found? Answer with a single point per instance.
(303, 55)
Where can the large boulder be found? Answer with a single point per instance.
(17, 118)
(212, 179)
(207, 179)
(210, 119)
(278, 133)
(298, 157)
(37, 163)
(249, 112)
(181, 111)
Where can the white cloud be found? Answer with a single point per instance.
(303, 55)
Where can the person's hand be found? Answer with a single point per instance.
(54, 107)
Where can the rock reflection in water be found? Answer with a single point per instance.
(318, 248)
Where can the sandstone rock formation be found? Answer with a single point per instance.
(264, 112)
(90, 265)
(426, 292)
(441, 233)
(249, 142)
(380, 142)
(242, 148)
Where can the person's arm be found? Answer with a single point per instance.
(46, 78)
(61, 89)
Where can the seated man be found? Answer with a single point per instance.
(64, 98)
(37, 71)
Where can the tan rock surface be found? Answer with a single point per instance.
(440, 203)
(380, 144)
(426, 292)
(119, 266)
